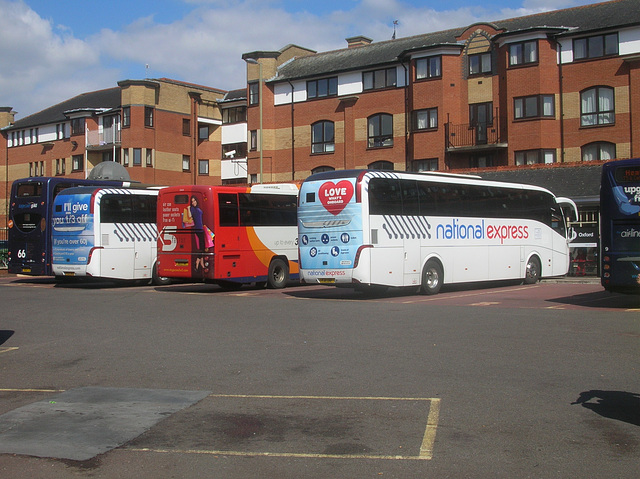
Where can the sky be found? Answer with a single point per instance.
(51, 51)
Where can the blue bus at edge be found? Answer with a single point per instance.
(30, 210)
(620, 226)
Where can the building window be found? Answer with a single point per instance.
(203, 167)
(149, 157)
(599, 150)
(60, 132)
(36, 168)
(322, 169)
(430, 67)
(137, 157)
(77, 163)
(597, 106)
(254, 93)
(380, 130)
(203, 133)
(480, 64)
(126, 116)
(425, 165)
(322, 88)
(186, 127)
(595, 47)
(322, 137)
(425, 119)
(481, 161)
(534, 157)
(523, 53)
(380, 79)
(381, 165)
(534, 106)
(60, 166)
(148, 116)
(234, 150)
(77, 126)
(125, 160)
(237, 114)
(186, 163)
(253, 138)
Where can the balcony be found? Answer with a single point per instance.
(474, 136)
(103, 140)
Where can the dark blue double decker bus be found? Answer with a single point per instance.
(30, 210)
(620, 226)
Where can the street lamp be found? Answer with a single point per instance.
(255, 62)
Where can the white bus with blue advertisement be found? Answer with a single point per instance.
(106, 233)
(367, 228)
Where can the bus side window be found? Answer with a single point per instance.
(410, 198)
(385, 197)
(145, 206)
(115, 209)
(228, 209)
(428, 194)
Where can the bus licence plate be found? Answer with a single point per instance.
(326, 280)
(26, 270)
(69, 273)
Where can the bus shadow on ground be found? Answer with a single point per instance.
(375, 292)
(600, 299)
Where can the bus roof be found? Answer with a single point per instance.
(436, 175)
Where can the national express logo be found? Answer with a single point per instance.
(400, 227)
(457, 229)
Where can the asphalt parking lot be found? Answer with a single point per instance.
(187, 380)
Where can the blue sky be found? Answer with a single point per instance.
(54, 50)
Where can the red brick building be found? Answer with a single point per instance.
(557, 87)
(163, 131)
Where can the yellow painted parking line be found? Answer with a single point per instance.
(31, 390)
(353, 398)
(6, 350)
(426, 447)
(278, 454)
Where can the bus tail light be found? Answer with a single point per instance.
(91, 253)
(360, 249)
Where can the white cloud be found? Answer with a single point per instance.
(42, 64)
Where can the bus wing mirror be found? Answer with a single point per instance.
(568, 203)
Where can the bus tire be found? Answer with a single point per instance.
(533, 271)
(157, 279)
(432, 277)
(278, 275)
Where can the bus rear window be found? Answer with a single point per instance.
(25, 190)
(181, 199)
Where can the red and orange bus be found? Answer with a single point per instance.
(229, 235)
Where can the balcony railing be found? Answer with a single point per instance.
(470, 135)
(101, 139)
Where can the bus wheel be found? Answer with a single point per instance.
(432, 277)
(278, 274)
(157, 279)
(533, 272)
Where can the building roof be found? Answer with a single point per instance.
(588, 18)
(578, 181)
(102, 99)
(234, 95)
(95, 101)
